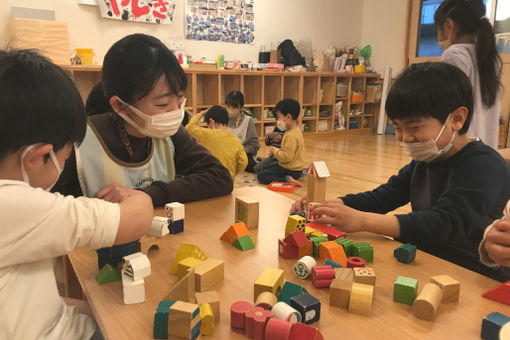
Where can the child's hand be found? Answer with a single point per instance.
(115, 193)
(202, 113)
(497, 243)
(299, 205)
(277, 138)
(338, 215)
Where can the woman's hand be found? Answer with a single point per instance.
(115, 193)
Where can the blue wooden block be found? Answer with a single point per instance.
(290, 290)
(333, 264)
(491, 325)
(161, 320)
(297, 213)
(405, 253)
(113, 255)
(176, 227)
(308, 306)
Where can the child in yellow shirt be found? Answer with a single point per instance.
(291, 155)
(220, 142)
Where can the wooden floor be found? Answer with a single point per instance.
(357, 162)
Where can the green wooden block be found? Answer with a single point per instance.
(108, 274)
(161, 320)
(290, 290)
(347, 244)
(244, 243)
(405, 289)
(364, 250)
(316, 242)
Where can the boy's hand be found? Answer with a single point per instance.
(277, 138)
(299, 205)
(497, 243)
(202, 113)
(115, 193)
(338, 215)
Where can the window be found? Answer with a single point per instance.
(502, 25)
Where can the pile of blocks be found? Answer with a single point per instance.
(177, 319)
(238, 236)
(175, 214)
(135, 269)
(353, 289)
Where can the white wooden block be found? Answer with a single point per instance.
(136, 266)
(159, 226)
(174, 211)
(133, 291)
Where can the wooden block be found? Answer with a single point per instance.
(108, 274)
(295, 222)
(207, 317)
(161, 320)
(136, 266)
(184, 289)
(347, 244)
(182, 310)
(364, 275)
(316, 189)
(364, 250)
(504, 333)
(425, 305)
(333, 251)
(331, 233)
(271, 280)
(176, 227)
(297, 238)
(287, 250)
(361, 299)
(303, 267)
(404, 290)
(244, 243)
(344, 274)
(266, 300)
(234, 232)
(238, 312)
(277, 329)
(133, 291)
(322, 276)
(355, 262)
(283, 311)
(301, 331)
(308, 306)
(499, 293)
(289, 290)
(406, 253)
(340, 293)
(184, 321)
(247, 211)
(449, 286)
(159, 226)
(147, 243)
(331, 263)
(184, 265)
(317, 240)
(309, 216)
(211, 297)
(175, 211)
(492, 324)
(256, 320)
(208, 274)
(187, 250)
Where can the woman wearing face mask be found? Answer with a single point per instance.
(140, 143)
(467, 38)
(242, 125)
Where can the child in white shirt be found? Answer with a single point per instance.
(41, 116)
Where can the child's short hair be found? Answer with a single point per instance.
(235, 99)
(218, 114)
(38, 103)
(430, 89)
(290, 106)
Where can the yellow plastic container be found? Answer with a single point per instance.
(86, 55)
(359, 69)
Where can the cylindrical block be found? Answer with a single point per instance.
(277, 329)
(237, 315)
(425, 305)
(250, 321)
(266, 300)
(283, 311)
(303, 267)
(355, 262)
(260, 324)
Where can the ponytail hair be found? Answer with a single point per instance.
(469, 16)
(97, 102)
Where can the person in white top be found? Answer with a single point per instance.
(467, 38)
(41, 116)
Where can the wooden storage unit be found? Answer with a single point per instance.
(317, 93)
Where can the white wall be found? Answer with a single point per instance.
(316, 22)
(384, 28)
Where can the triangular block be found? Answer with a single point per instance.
(500, 293)
(186, 250)
(184, 289)
(244, 243)
(108, 274)
(234, 232)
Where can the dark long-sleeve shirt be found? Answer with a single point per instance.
(452, 203)
(199, 175)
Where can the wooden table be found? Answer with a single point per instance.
(204, 223)
(505, 153)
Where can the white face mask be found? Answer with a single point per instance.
(53, 158)
(280, 124)
(161, 125)
(427, 151)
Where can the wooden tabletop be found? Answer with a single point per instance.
(505, 153)
(204, 223)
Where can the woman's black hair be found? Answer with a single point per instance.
(96, 101)
(132, 67)
(235, 99)
(469, 16)
(430, 90)
(39, 103)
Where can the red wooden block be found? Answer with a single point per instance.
(333, 234)
(256, 321)
(355, 262)
(277, 329)
(238, 312)
(287, 250)
(322, 276)
(297, 238)
(301, 331)
(500, 293)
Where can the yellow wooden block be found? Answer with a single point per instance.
(449, 286)
(317, 233)
(361, 299)
(208, 274)
(309, 231)
(295, 222)
(212, 298)
(271, 280)
(207, 316)
(184, 265)
(187, 250)
(364, 275)
(425, 305)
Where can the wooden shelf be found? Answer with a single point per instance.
(308, 118)
(253, 105)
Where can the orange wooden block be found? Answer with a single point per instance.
(306, 250)
(333, 251)
(234, 232)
